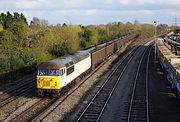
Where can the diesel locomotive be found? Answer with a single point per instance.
(56, 74)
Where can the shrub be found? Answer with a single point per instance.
(16, 62)
(61, 49)
(4, 64)
(29, 58)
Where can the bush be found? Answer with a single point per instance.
(16, 62)
(83, 44)
(91, 35)
(61, 49)
(6, 38)
(4, 64)
(20, 31)
(41, 56)
(1, 27)
(29, 59)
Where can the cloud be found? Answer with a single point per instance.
(135, 3)
(91, 12)
(25, 4)
(94, 11)
(93, 4)
(108, 1)
(72, 3)
(147, 13)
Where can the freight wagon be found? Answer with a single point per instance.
(171, 65)
(56, 74)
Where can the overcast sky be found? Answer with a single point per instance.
(96, 11)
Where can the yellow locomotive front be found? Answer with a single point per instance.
(48, 82)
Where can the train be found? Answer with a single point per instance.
(170, 63)
(55, 75)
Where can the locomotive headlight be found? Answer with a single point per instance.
(38, 80)
(55, 83)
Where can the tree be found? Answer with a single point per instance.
(8, 20)
(1, 27)
(29, 58)
(4, 64)
(23, 18)
(35, 22)
(20, 31)
(16, 62)
(6, 39)
(64, 25)
(136, 22)
(61, 49)
(2, 19)
(91, 35)
(162, 28)
(128, 23)
(43, 22)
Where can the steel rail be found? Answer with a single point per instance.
(134, 87)
(59, 101)
(147, 85)
(90, 103)
(24, 116)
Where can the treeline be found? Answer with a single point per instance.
(23, 45)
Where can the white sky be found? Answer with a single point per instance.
(96, 11)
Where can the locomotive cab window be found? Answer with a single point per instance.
(70, 70)
(62, 71)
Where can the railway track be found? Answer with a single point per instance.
(96, 106)
(38, 109)
(14, 91)
(138, 108)
(16, 94)
(18, 83)
(34, 110)
(55, 104)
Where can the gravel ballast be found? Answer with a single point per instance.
(68, 110)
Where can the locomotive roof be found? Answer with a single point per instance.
(64, 61)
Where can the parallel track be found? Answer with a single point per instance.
(39, 108)
(14, 91)
(16, 94)
(47, 111)
(18, 83)
(34, 110)
(139, 101)
(96, 106)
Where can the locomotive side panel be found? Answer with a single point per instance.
(79, 68)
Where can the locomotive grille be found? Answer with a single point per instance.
(46, 83)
